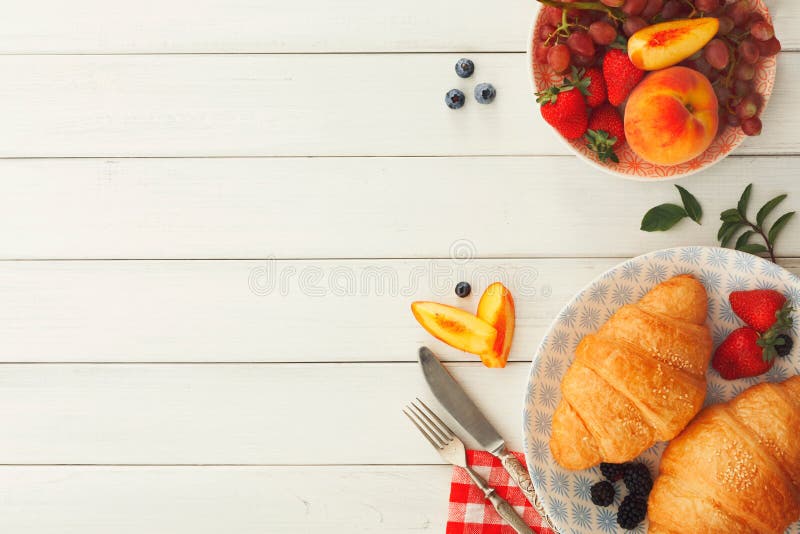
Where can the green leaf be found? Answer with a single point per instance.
(691, 205)
(778, 226)
(767, 208)
(744, 200)
(742, 241)
(753, 248)
(727, 231)
(731, 215)
(662, 217)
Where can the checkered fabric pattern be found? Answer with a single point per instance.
(470, 513)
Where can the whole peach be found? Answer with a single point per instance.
(672, 116)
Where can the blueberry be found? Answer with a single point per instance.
(465, 67)
(463, 289)
(454, 99)
(785, 348)
(485, 93)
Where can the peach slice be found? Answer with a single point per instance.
(496, 307)
(666, 44)
(455, 327)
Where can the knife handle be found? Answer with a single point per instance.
(523, 480)
(504, 509)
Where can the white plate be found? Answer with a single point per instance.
(565, 494)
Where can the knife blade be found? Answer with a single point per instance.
(455, 401)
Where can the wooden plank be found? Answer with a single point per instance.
(291, 105)
(285, 414)
(241, 311)
(210, 500)
(93, 26)
(356, 207)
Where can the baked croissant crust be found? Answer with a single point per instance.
(638, 380)
(735, 469)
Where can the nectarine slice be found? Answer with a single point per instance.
(496, 307)
(455, 327)
(666, 44)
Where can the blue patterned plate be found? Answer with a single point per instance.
(565, 494)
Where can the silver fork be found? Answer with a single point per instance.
(452, 451)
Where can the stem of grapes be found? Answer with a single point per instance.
(591, 6)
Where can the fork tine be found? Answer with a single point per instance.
(435, 444)
(442, 425)
(427, 425)
(439, 432)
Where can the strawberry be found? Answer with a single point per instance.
(590, 82)
(741, 355)
(621, 75)
(761, 308)
(565, 109)
(606, 132)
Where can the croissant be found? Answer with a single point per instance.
(735, 469)
(640, 379)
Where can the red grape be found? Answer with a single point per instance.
(726, 25)
(742, 88)
(748, 107)
(745, 71)
(763, 31)
(581, 43)
(559, 57)
(545, 30)
(707, 6)
(717, 54)
(602, 32)
(770, 47)
(634, 7)
(752, 126)
(723, 94)
(613, 3)
(739, 11)
(733, 120)
(652, 9)
(671, 9)
(582, 61)
(540, 52)
(748, 51)
(551, 15)
(633, 25)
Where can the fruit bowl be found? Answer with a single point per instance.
(631, 165)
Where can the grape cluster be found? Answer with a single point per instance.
(580, 37)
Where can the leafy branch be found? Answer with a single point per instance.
(735, 219)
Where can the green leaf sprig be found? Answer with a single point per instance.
(735, 219)
(663, 217)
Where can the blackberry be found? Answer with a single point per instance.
(603, 493)
(638, 479)
(631, 512)
(786, 348)
(454, 99)
(485, 93)
(612, 472)
(465, 67)
(463, 289)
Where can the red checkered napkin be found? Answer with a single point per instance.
(470, 513)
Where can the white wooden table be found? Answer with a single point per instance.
(215, 214)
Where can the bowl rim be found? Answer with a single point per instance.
(592, 163)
